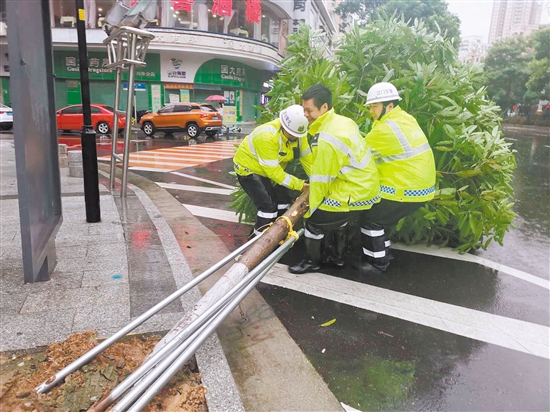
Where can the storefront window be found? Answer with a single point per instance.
(63, 12)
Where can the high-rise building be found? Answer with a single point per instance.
(472, 49)
(512, 18)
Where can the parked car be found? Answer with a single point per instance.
(70, 118)
(6, 117)
(192, 118)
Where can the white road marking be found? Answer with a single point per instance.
(200, 179)
(200, 189)
(348, 408)
(447, 253)
(451, 254)
(149, 169)
(226, 215)
(498, 330)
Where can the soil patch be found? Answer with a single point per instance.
(20, 375)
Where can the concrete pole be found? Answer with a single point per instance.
(248, 261)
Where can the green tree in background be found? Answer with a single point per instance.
(434, 13)
(506, 68)
(475, 165)
(539, 68)
(357, 11)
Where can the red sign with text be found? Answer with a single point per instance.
(253, 11)
(184, 5)
(222, 7)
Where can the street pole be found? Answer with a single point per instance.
(87, 135)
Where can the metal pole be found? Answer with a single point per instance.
(114, 140)
(88, 356)
(132, 39)
(87, 136)
(174, 362)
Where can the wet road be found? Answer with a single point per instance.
(436, 333)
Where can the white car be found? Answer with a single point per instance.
(6, 117)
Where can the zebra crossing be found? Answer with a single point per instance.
(174, 158)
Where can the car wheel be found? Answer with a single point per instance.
(193, 130)
(103, 127)
(148, 128)
(5, 126)
(66, 131)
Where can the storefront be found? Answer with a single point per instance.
(194, 80)
(102, 80)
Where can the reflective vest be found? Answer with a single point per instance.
(266, 152)
(404, 158)
(343, 175)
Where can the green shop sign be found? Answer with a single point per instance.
(66, 66)
(228, 73)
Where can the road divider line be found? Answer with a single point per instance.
(200, 189)
(449, 253)
(225, 215)
(200, 179)
(498, 330)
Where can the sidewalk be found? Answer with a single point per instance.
(110, 272)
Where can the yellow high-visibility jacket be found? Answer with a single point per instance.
(404, 158)
(343, 175)
(266, 152)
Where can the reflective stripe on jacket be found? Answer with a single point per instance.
(404, 158)
(266, 152)
(343, 175)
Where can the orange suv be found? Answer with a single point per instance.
(192, 118)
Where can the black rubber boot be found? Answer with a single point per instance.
(304, 266)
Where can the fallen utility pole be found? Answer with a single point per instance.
(189, 333)
(248, 261)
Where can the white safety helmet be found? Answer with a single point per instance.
(382, 92)
(294, 121)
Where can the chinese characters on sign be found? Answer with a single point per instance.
(222, 7)
(300, 5)
(232, 73)
(185, 5)
(253, 11)
(296, 24)
(71, 64)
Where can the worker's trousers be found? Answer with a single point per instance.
(374, 222)
(319, 227)
(270, 199)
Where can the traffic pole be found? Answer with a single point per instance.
(87, 135)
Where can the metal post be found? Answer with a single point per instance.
(132, 38)
(114, 140)
(87, 135)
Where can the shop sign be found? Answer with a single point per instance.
(155, 97)
(253, 11)
(222, 7)
(187, 86)
(232, 73)
(225, 73)
(301, 12)
(184, 5)
(138, 87)
(177, 73)
(66, 66)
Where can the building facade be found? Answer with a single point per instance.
(472, 49)
(201, 47)
(513, 18)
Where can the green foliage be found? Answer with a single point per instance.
(433, 13)
(518, 69)
(506, 69)
(357, 11)
(475, 165)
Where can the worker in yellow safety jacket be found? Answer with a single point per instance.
(262, 157)
(343, 178)
(406, 167)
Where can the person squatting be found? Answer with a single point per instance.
(377, 179)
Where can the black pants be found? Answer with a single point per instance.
(321, 225)
(374, 240)
(270, 200)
